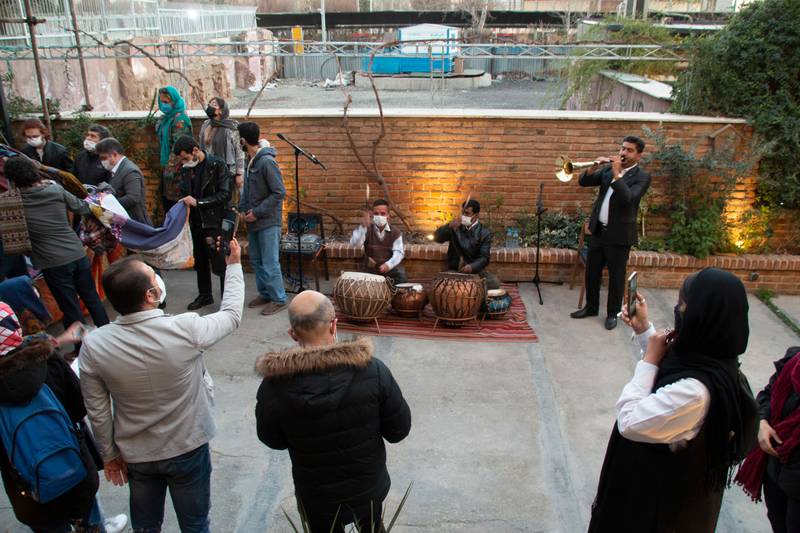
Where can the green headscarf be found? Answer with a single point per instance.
(171, 112)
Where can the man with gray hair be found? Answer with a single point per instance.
(125, 178)
(335, 441)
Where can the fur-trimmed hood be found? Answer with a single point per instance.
(23, 372)
(357, 353)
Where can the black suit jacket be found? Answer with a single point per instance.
(623, 206)
(129, 188)
(55, 155)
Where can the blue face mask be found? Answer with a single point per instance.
(165, 108)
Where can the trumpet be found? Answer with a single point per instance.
(566, 167)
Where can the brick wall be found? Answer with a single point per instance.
(779, 273)
(432, 159)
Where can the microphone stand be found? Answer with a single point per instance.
(540, 210)
(299, 223)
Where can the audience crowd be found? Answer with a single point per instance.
(134, 399)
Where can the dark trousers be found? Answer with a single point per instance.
(188, 478)
(613, 256)
(366, 517)
(206, 259)
(69, 281)
(783, 512)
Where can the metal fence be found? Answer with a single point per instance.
(122, 20)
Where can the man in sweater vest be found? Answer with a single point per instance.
(383, 245)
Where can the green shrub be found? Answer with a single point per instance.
(559, 230)
(751, 69)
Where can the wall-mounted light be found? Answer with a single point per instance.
(429, 236)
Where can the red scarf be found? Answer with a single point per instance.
(751, 473)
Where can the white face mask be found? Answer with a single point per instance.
(380, 221)
(107, 164)
(191, 164)
(466, 221)
(89, 145)
(36, 142)
(162, 289)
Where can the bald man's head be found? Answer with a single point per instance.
(311, 317)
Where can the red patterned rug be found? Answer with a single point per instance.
(512, 328)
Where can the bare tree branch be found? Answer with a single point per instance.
(197, 92)
(263, 86)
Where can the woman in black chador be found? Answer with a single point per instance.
(685, 419)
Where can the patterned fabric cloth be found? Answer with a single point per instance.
(10, 330)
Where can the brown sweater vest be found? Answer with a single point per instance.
(378, 250)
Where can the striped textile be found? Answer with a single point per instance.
(513, 328)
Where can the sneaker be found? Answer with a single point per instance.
(200, 301)
(116, 524)
(258, 301)
(272, 308)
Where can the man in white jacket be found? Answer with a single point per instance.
(151, 366)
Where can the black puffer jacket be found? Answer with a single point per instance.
(22, 374)
(332, 407)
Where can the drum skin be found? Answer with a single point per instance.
(457, 296)
(362, 296)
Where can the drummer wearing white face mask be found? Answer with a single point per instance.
(383, 245)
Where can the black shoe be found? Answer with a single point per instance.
(611, 323)
(582, 313)
(200, 301)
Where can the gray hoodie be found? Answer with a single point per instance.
(53, 241)
(263, 190)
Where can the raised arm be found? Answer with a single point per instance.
(633, 193)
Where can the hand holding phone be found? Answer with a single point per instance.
(633, 286)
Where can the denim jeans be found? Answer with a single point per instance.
(188, 478)
(69, 281)
(264, 250)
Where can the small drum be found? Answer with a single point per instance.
(362, 296)
(498, 302)
(409, 300)
(457, 298)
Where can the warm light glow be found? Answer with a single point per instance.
(430, 236)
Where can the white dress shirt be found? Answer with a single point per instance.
(116, 167)
(671, 415)
(603, 215)
(398, 252)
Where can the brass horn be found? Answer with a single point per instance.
(567, 168)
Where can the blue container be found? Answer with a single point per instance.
(407, 64)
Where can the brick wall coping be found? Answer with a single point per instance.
(525, 114)
(438, 252)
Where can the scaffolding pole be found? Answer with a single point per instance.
(32, 22)
(88, 105)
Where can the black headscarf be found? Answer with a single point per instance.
(712, 333)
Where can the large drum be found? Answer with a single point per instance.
(409, 300)
(362, 296)
(457, 298)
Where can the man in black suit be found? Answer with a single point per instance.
(613, 225)
(125, 178)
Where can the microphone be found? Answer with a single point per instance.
(311, 157)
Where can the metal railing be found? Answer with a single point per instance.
(188, 50)
(123, 20)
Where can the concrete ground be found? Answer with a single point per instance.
(502, 94)
(505, 437)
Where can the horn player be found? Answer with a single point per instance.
(612, 225)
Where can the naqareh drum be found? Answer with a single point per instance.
(362, 296)
(409, 300)
(456, 297)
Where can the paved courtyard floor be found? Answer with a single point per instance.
(505, 437)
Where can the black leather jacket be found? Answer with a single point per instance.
(474, 245)
(214, 191)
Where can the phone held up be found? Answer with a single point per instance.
(229, 228)
(633, 286)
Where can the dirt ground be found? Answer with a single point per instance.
(502, 94)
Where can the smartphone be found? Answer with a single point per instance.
(228, 233)
(633, 286)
